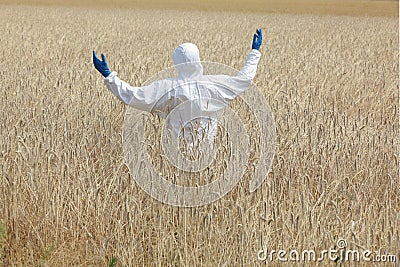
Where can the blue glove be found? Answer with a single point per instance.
(101, 66)
(257, 40)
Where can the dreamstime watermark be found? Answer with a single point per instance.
(341, 253)
(207, 104)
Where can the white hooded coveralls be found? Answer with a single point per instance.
(163, 96)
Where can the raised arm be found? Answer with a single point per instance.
(142, 98)
(249, 69)
(229, 87)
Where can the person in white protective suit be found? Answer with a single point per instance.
(189, 99)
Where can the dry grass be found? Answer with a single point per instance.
(67, 199)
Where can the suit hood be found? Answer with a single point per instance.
(187, 61)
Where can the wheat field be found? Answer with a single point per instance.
(66, 195)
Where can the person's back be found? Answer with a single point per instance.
(189, 102)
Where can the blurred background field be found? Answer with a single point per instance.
(66, 195)
(332, 7)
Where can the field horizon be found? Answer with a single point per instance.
(385, 8)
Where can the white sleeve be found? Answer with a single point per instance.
(229, 87)
(249, 69)
(142, 98)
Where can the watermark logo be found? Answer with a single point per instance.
(220, 134)
(341, 253)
